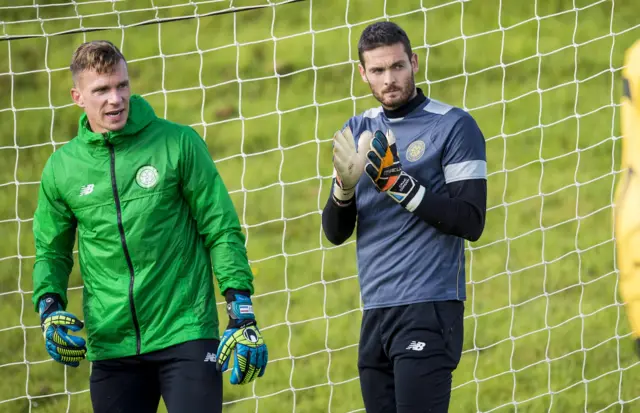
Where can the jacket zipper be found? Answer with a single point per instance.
(114, 188)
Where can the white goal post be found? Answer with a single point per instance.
(266, 83)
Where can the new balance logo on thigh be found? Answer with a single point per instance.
(210, 357)
(416, 346)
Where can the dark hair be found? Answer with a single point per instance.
(99, 55)
(382, 34)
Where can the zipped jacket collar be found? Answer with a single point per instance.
(140, 115)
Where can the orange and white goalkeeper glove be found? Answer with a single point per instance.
(386, 172)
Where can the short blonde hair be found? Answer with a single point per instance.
(99, 55)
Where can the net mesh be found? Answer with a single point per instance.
(266, 83)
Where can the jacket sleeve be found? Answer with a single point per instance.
(215, 215)
(54, 230)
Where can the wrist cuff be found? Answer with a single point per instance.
(413, 203)
(342, 197)
(407, 191)
(231, 293)
(240, 308)
(48, 304)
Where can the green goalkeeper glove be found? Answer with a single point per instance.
(243, 336)
(348, 163)
(386, 172)
(56, 324)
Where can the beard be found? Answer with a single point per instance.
(403, 94)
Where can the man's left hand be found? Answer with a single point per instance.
(242, 335)
(386, 172)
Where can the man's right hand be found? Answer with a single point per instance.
(56, 323)
(348, 163)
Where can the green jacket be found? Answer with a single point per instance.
(153, 217)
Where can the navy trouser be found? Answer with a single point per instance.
(407, 354)
(184, 375)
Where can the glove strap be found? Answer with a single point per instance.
(342, 197)
(48, 304)
(239, 308)
(407, 191)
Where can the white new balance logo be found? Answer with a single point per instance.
(210, 357)
(86, 190)
(416, 346)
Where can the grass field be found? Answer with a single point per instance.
(545, 329)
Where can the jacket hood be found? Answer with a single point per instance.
(140, 115)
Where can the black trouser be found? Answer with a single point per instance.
(184, 375)
(407, 354)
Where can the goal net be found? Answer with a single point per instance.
(266, 83)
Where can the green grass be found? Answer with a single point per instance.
(545, 329)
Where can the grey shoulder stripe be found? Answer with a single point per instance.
(372, 113)
(465, 170)
(437, 107)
